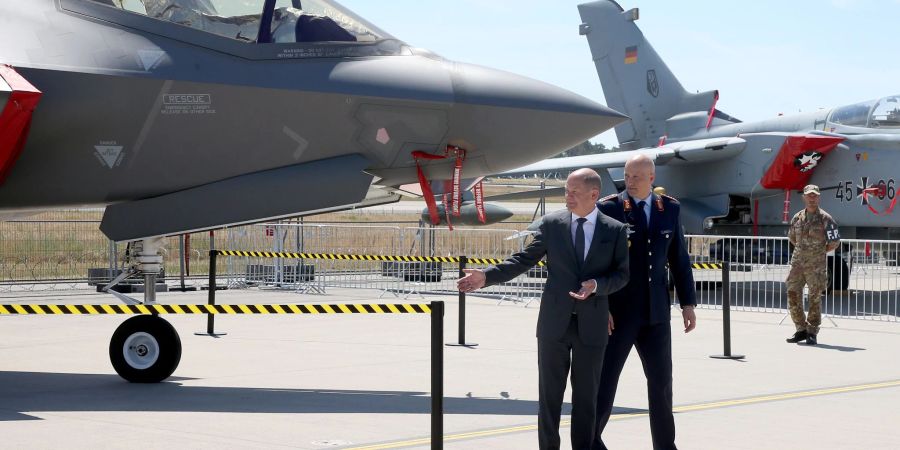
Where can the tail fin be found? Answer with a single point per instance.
(635, 79)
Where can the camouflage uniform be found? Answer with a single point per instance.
(810, 234)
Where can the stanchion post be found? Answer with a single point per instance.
(437, 375)
(726, 314)
(210, 318)
(462, 311)
(182, 262)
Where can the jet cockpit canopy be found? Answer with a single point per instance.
(261, 21)
(883, 113)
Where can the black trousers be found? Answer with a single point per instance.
(554, 360)
(654, 346)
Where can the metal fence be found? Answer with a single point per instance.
(56, 251)
(397, 278)
(66, 250)
(863, 275)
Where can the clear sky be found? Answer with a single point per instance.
(764, 56)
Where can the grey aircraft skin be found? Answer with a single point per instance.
(185, 115)
(716, 166)
(180, 126)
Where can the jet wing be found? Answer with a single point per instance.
(675, 153)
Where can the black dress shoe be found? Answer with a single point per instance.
(811, 339)
(798, 336)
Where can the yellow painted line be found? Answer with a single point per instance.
(686, 408)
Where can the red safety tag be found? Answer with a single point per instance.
(447, 212)
(426, 187)
(457, 175)
(787, 207)
(478, 190)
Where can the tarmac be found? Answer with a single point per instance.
(362, 381)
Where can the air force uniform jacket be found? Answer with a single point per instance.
(651, 249)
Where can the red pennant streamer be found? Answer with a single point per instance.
(712, 111)
(478, 190)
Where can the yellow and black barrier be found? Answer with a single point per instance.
(435, 309)
(349, 257)
(707, 266)
(399, 308)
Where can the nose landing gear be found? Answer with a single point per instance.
(144, 349)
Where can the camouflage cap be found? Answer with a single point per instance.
(811, 189)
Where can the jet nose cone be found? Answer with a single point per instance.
(479, 85)
(509, 120)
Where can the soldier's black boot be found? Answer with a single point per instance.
(811, 339)
(798, 336)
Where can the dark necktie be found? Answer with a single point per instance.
(642, 217)
(579, 239)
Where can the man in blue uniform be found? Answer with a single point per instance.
(640, 313)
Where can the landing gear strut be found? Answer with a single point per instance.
(144, 349)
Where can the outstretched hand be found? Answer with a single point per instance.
(587, 289)
(473, 280)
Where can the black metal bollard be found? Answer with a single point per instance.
(462, 311)
(210, 318)
(437, 375)
(726, 314)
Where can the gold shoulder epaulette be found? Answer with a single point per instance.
(670, 197)
(609, 197)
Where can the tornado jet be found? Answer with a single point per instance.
(737, 177)
(184, 115)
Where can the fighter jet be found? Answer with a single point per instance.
(185, 115)
(734, 177)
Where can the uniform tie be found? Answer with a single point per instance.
(579, 239)
(642, 216)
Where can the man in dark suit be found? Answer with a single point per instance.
(640, 313)
(587, 259)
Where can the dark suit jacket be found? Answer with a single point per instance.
(647, 295)
(607, 263)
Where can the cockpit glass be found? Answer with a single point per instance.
(290, 21)
(853, 115)
(887, 113)
(881, 113)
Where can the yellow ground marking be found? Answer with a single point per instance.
(686, 408)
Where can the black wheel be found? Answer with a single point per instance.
(145, 349)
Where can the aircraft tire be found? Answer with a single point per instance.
(145, 349)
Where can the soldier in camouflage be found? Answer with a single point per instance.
(813, 233)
